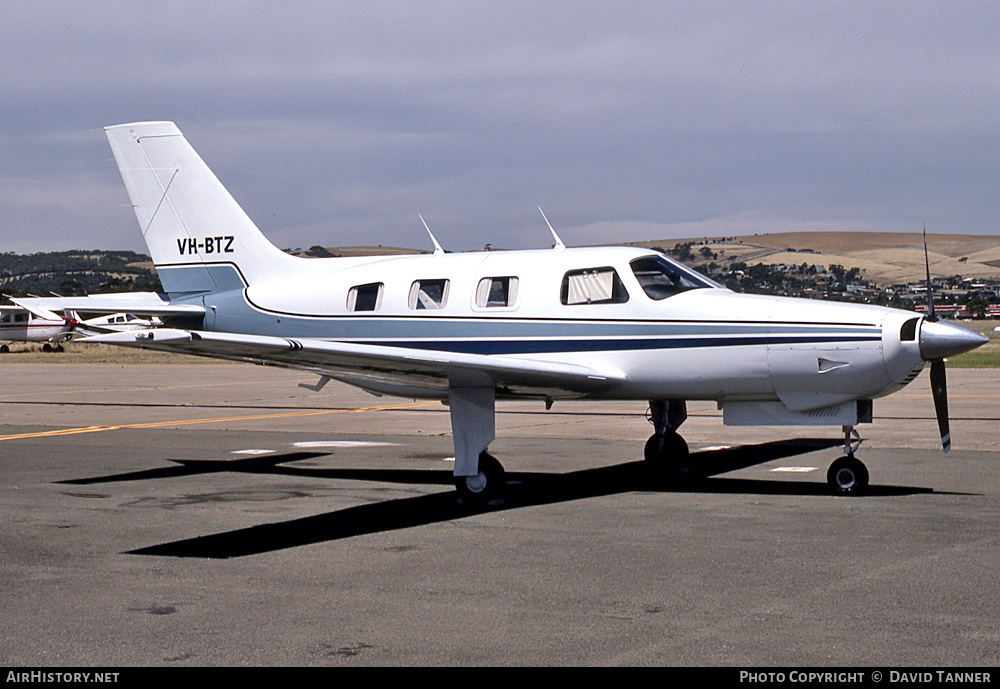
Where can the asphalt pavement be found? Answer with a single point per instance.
(222, 515)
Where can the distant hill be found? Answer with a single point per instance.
(335, 251)
(884, 258)
(77, 272)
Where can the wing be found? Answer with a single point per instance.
(381, 368)
(146, 303)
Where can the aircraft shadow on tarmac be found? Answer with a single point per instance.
(524, 489)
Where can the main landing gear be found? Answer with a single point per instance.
(488, 484)
(666, 453)
(848, 475)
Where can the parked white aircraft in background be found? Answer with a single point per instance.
(20, 325)
(38, 324)
(471, 328)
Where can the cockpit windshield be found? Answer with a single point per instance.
(661, 277)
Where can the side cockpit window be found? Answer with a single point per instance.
(593, 286)
(365, 297)
(661, 278)
(428, 294)
(496, 292)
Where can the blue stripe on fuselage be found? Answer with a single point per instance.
(608, 345)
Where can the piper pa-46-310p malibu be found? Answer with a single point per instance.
(470, 328)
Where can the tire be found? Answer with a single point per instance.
(847, 476)
(666, 456)
(485, 486)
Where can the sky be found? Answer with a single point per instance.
(337, 123)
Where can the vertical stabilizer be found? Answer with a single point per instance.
(196, 232)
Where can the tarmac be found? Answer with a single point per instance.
(222, 515)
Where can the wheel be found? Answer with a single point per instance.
(59, 348)
(485, 486)
(46, 347)
(847, 476)
(666, 455)
(4, 349)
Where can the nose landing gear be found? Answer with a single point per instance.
(848, 475)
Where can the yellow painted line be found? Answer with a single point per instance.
(221, 419)
(153, 387)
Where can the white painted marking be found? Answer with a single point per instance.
(713, 448)
(341, 443)
(794, 470)
(251, 452)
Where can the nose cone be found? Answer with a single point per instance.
(942, 339)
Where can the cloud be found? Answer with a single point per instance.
(332, 122)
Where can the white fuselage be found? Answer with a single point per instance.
(706, 343)
(21, 326)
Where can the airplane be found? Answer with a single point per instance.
(20, 323)
(471, 328)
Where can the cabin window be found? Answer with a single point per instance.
(5, 318)
(428, 294)
(496, 292)
(365, 297)
(593, 286)
(661, 278)
(21, 318)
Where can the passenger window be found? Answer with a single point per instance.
(21, 318)
(429, 294)
(365, 297)
(493, 292)
(5, 318)
(593, 286)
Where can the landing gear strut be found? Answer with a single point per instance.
(666, 453)
(848, 475)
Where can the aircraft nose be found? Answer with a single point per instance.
(941, 339)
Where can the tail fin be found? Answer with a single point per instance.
(199, 237)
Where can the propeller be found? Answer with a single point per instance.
(939, 340)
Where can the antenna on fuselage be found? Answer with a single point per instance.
(931, 316)
(559, 243)
(438, 251)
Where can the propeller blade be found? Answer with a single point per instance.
(939, 390)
